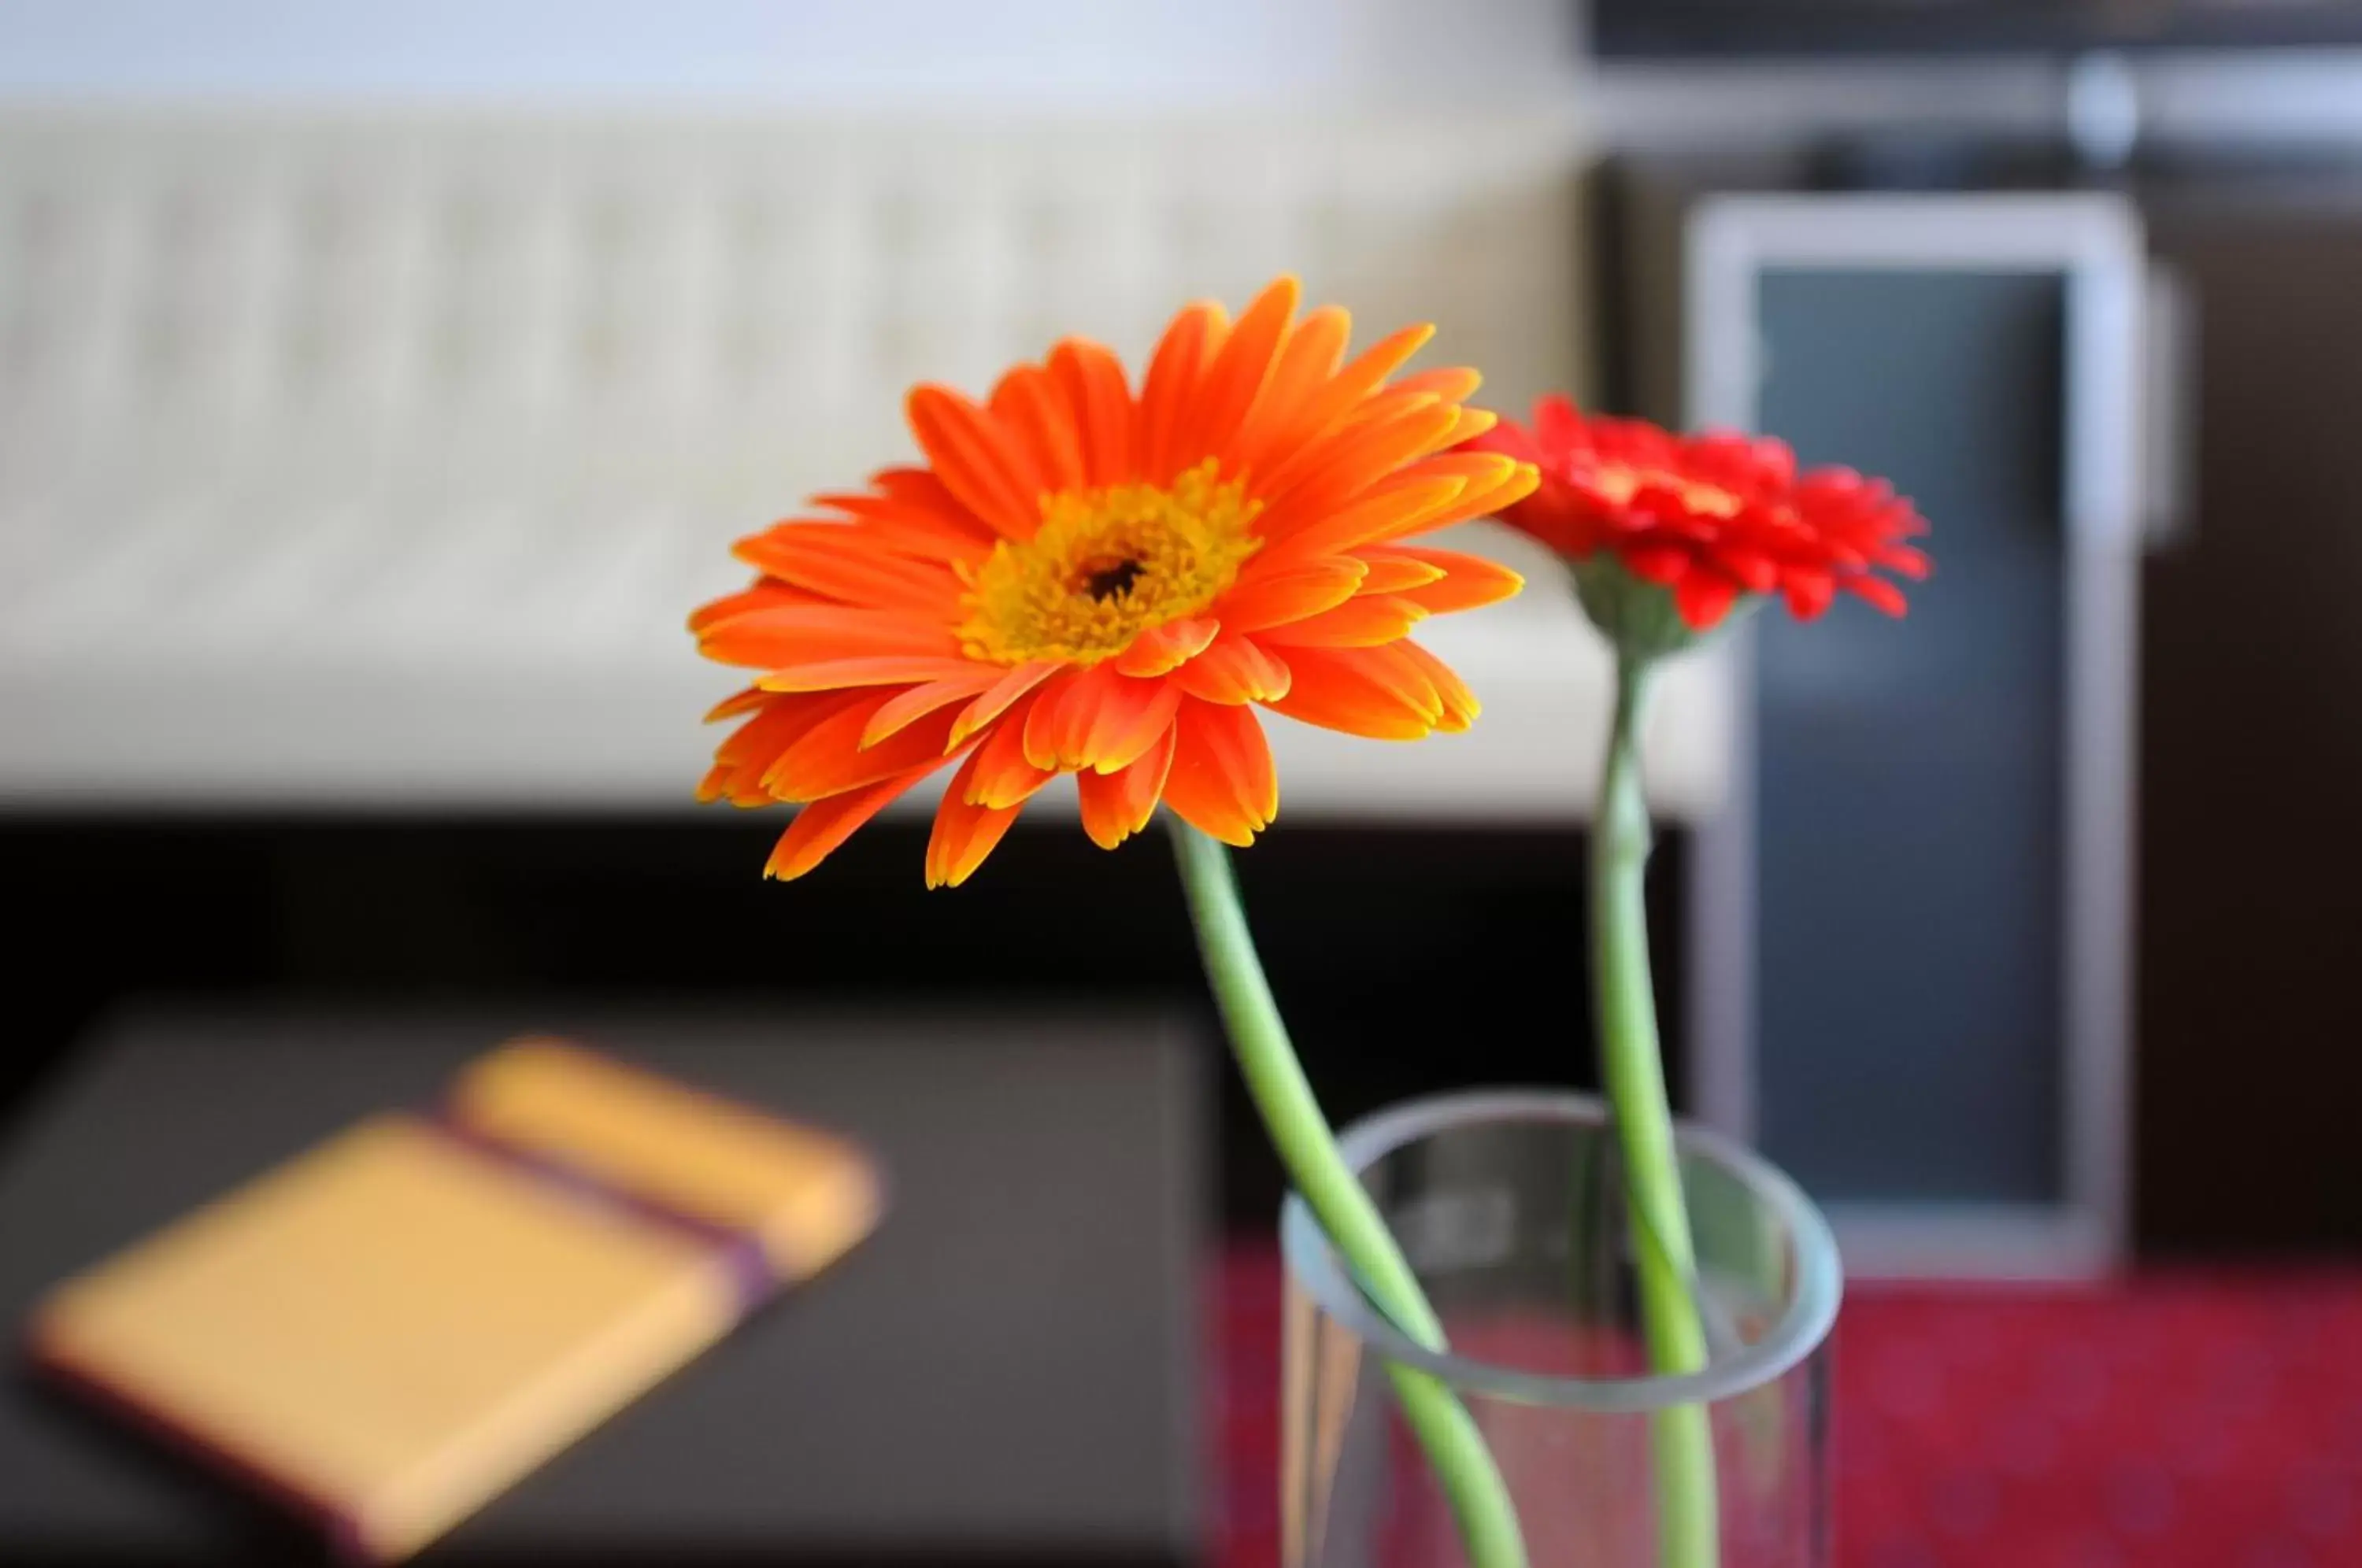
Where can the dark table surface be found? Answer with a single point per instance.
(1005, 1372)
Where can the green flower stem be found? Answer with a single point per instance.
(1682, 1439)
(1479, 1497)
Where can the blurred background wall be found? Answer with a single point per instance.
(1030, 55)
(1037, 54)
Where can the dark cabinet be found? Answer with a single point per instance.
(2251, 940)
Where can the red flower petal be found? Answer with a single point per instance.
(1704, 597)
(1879, 592)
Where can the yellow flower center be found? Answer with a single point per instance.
(1621, 484)
(1107, 565)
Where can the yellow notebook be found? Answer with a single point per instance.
(391, 1328)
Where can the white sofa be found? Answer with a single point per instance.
(374, 461)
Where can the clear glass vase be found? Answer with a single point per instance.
(1510, 1208)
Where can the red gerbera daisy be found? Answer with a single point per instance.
(1711, 517)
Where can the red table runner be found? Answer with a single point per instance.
(2180, 1419)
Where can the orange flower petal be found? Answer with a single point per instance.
(1098, 401)
(1312, 456)
(774, 639)
(1237, 373)
(836, 559)
(766, 593)
(1194, 336)
(1472, 422)
(1367, 622)
(1389, 509)
(921, 701)
(1162, 648)
(1331, 472)
(1131, 715)
(1070, 717)
(1237, 735)
(822, 826)
(1343, 392)
(1223, 781)
(749, 750)
(965, 832)
(997, 696)
(738, 702)
(976, 460)
(1392, 571)
(1118, 804)
(1001, 776)
(1483, 468)
(1460, 704)
(1467, 582)
(1291, 595)
(920, 493)
(1310, 356)
(1391, 403)
(903, 529)
(1029, 405)
(740, 787)
(886, 669)
(1452, 383)
(1043, 727)
(1522, 479)
(1233, 669)
(829, 758)
(1489, 481)
(1362, 691)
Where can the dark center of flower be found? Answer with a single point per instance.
(1111, 579)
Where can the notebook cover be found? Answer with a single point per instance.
(391, 1328)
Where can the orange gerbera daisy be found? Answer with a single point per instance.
(1085, 580)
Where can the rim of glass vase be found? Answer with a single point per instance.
(1811, 1311)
